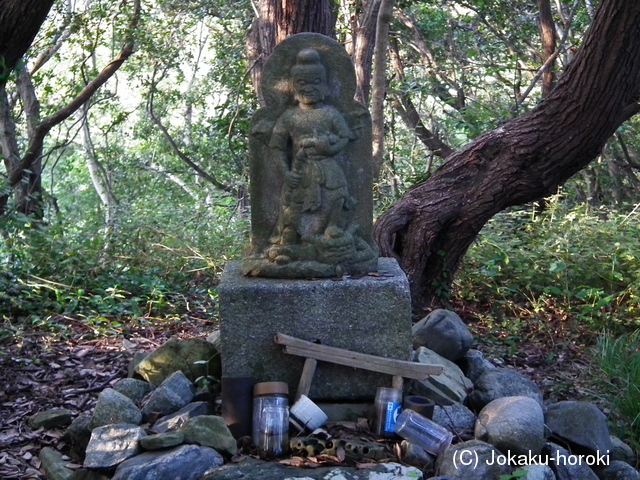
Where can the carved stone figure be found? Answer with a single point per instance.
(311, 171)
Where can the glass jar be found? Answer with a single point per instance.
(270, 431)
(421, 431)
(386, 408)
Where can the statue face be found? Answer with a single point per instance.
(309, 87)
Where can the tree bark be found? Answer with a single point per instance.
(548, 37)
(430, 229)
(276, 19)
(364, 40)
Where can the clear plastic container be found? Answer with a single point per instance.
(386, 408)
(270, 431)
(421, 431)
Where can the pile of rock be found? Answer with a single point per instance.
(159, 428)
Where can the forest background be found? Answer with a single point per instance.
(142, 194)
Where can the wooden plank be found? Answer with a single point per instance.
(390, 366)
(306, 378)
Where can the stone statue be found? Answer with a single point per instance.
(311, 170)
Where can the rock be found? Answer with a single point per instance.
(512, 425)
(174, 393)
(443, 332)
(618, 470)
(133, 365)
(162, 440)
(78, 435)
(210, 431)
(252, 469)
(581, 424)
(59, 417)
(214, 339)
(456, 418)
(84, 474)
(474, 365)
(112, 444)
(133, 388)
(471, 460)
(448, 388)
(567, 466)
(114, 407)
(187, 462)
(622, 451)
(502, 382)
(416, 457)
(53, 464)
(180, 355)
(536, 472)
(177, 419)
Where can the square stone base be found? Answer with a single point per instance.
(371, 314)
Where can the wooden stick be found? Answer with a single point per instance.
(306, 378)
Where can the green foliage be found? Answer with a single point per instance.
(587, 262)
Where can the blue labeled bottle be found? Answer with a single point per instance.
(387, 407)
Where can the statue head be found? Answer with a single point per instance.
(309, 77)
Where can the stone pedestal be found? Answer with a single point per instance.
(370, 314)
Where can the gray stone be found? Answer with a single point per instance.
(162, 440)
(53, 464)
(84, 474)
(114, 407)
(210, 431)
(133, 388)
(369, 315)
(512, 425)
(78, 435)
(177, 419)
(471, 460)
(187, 462)
(133, 365)
(567, 466)
(536, 472)
(622, 451)
(180, 355)
(214, 339)
(416, 457)
(59, 417)
(444, 332)
(581, 424)
(456, 418)
(448, 388)
(113, 444)
(618, 470)
(252, 469)
(474, 365)
(311, 167)
(174, 393)
(502, 382)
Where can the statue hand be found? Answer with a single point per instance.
(292, 179)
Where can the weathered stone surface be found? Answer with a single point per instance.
(176, 420)
(311, 169)
(53, 464)
(133, 388)
(368, 315)
(416, 457)
(78, 435)
(59, 417)
(476, 463)
(174, 393)
(187, 462)
(622, 451)
(112, 444)
(456, 418)
(567, 466)
(209, 431)
(84, 474)
(581, 424)
(448, 388)
(618, 470)
(162, 440)
(114, 407)
(444, 332)
(512, 425)
(180, 355)
(474, 365)
(502, 382)
(255, 469)
(536, 472)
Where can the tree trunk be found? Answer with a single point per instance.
(279, 18)
(430, 229)
(548, 36)
(364, 39)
